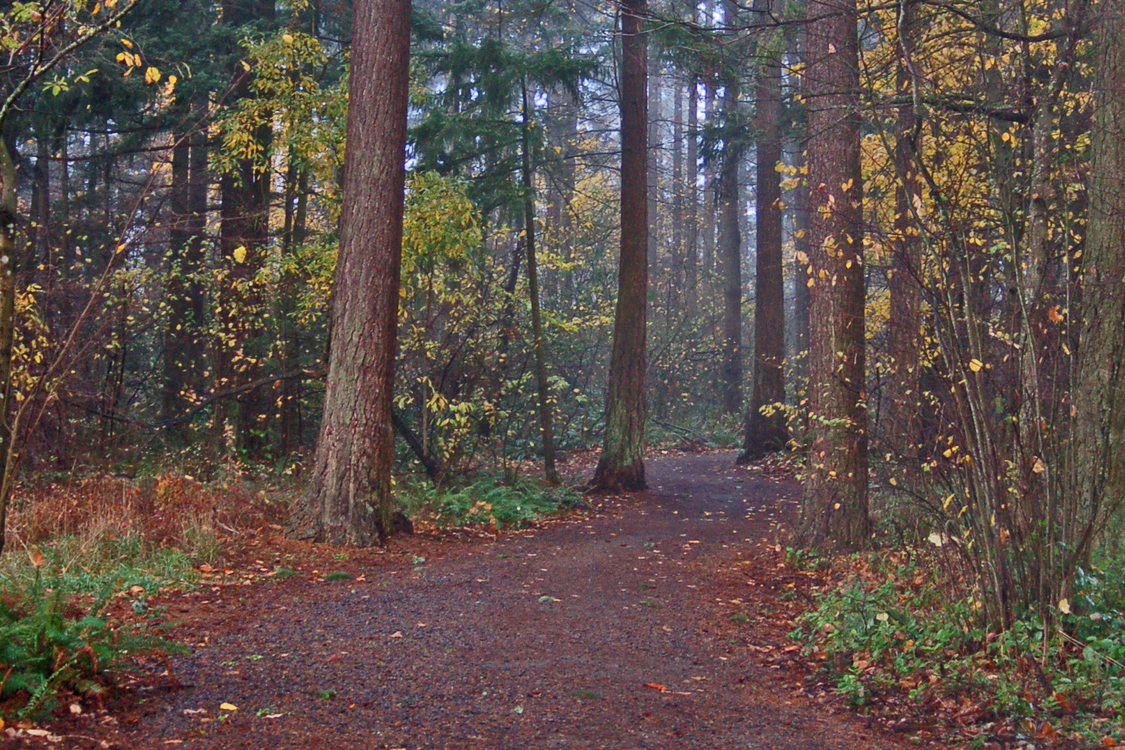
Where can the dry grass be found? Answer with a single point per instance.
(165, 511)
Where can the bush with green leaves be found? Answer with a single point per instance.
(897, 630)
(493, 501)
(49, 642)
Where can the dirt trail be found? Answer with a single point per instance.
(561, 638)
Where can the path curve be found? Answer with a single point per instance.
(600, 633)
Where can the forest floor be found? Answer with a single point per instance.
(656, 620)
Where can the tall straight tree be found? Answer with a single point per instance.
(541, 383)
(349, 500)
(243, 236)
(904, 433)
(1097, 475)
(621, 466)
(730, 239)
(834, 514)
(767, 432)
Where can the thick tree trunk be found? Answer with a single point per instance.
(542, 390)
(1097, 474)
(834, 514)
(621, 466)
(767, 432)
(349, 500)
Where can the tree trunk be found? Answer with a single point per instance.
(178, 326)
(1097, 476)
(289, 391)
(542, 389)
(244, 234)
(691, 270)
(903, 433)
(349, 500)
(730, 240)
(652, 156)
(8, 204)
(767, 433)
(679, 263)
(41, 207)
(834, 514)
(621, 467)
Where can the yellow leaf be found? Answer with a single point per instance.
(152, 75)
(287, 38)
(975, 365)
(1064, 606)
(240, 254)
(227, 707)
(1038, 467)
(124, 42)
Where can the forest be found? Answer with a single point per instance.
(820, 303)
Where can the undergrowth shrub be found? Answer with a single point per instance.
(50, 642)
(895, 627)
(492, 501)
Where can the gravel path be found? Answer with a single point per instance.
(599, 633)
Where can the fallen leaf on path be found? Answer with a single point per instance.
(657, 687)
(227, 707)
(396, 634)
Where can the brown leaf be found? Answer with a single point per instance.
(656, 686)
